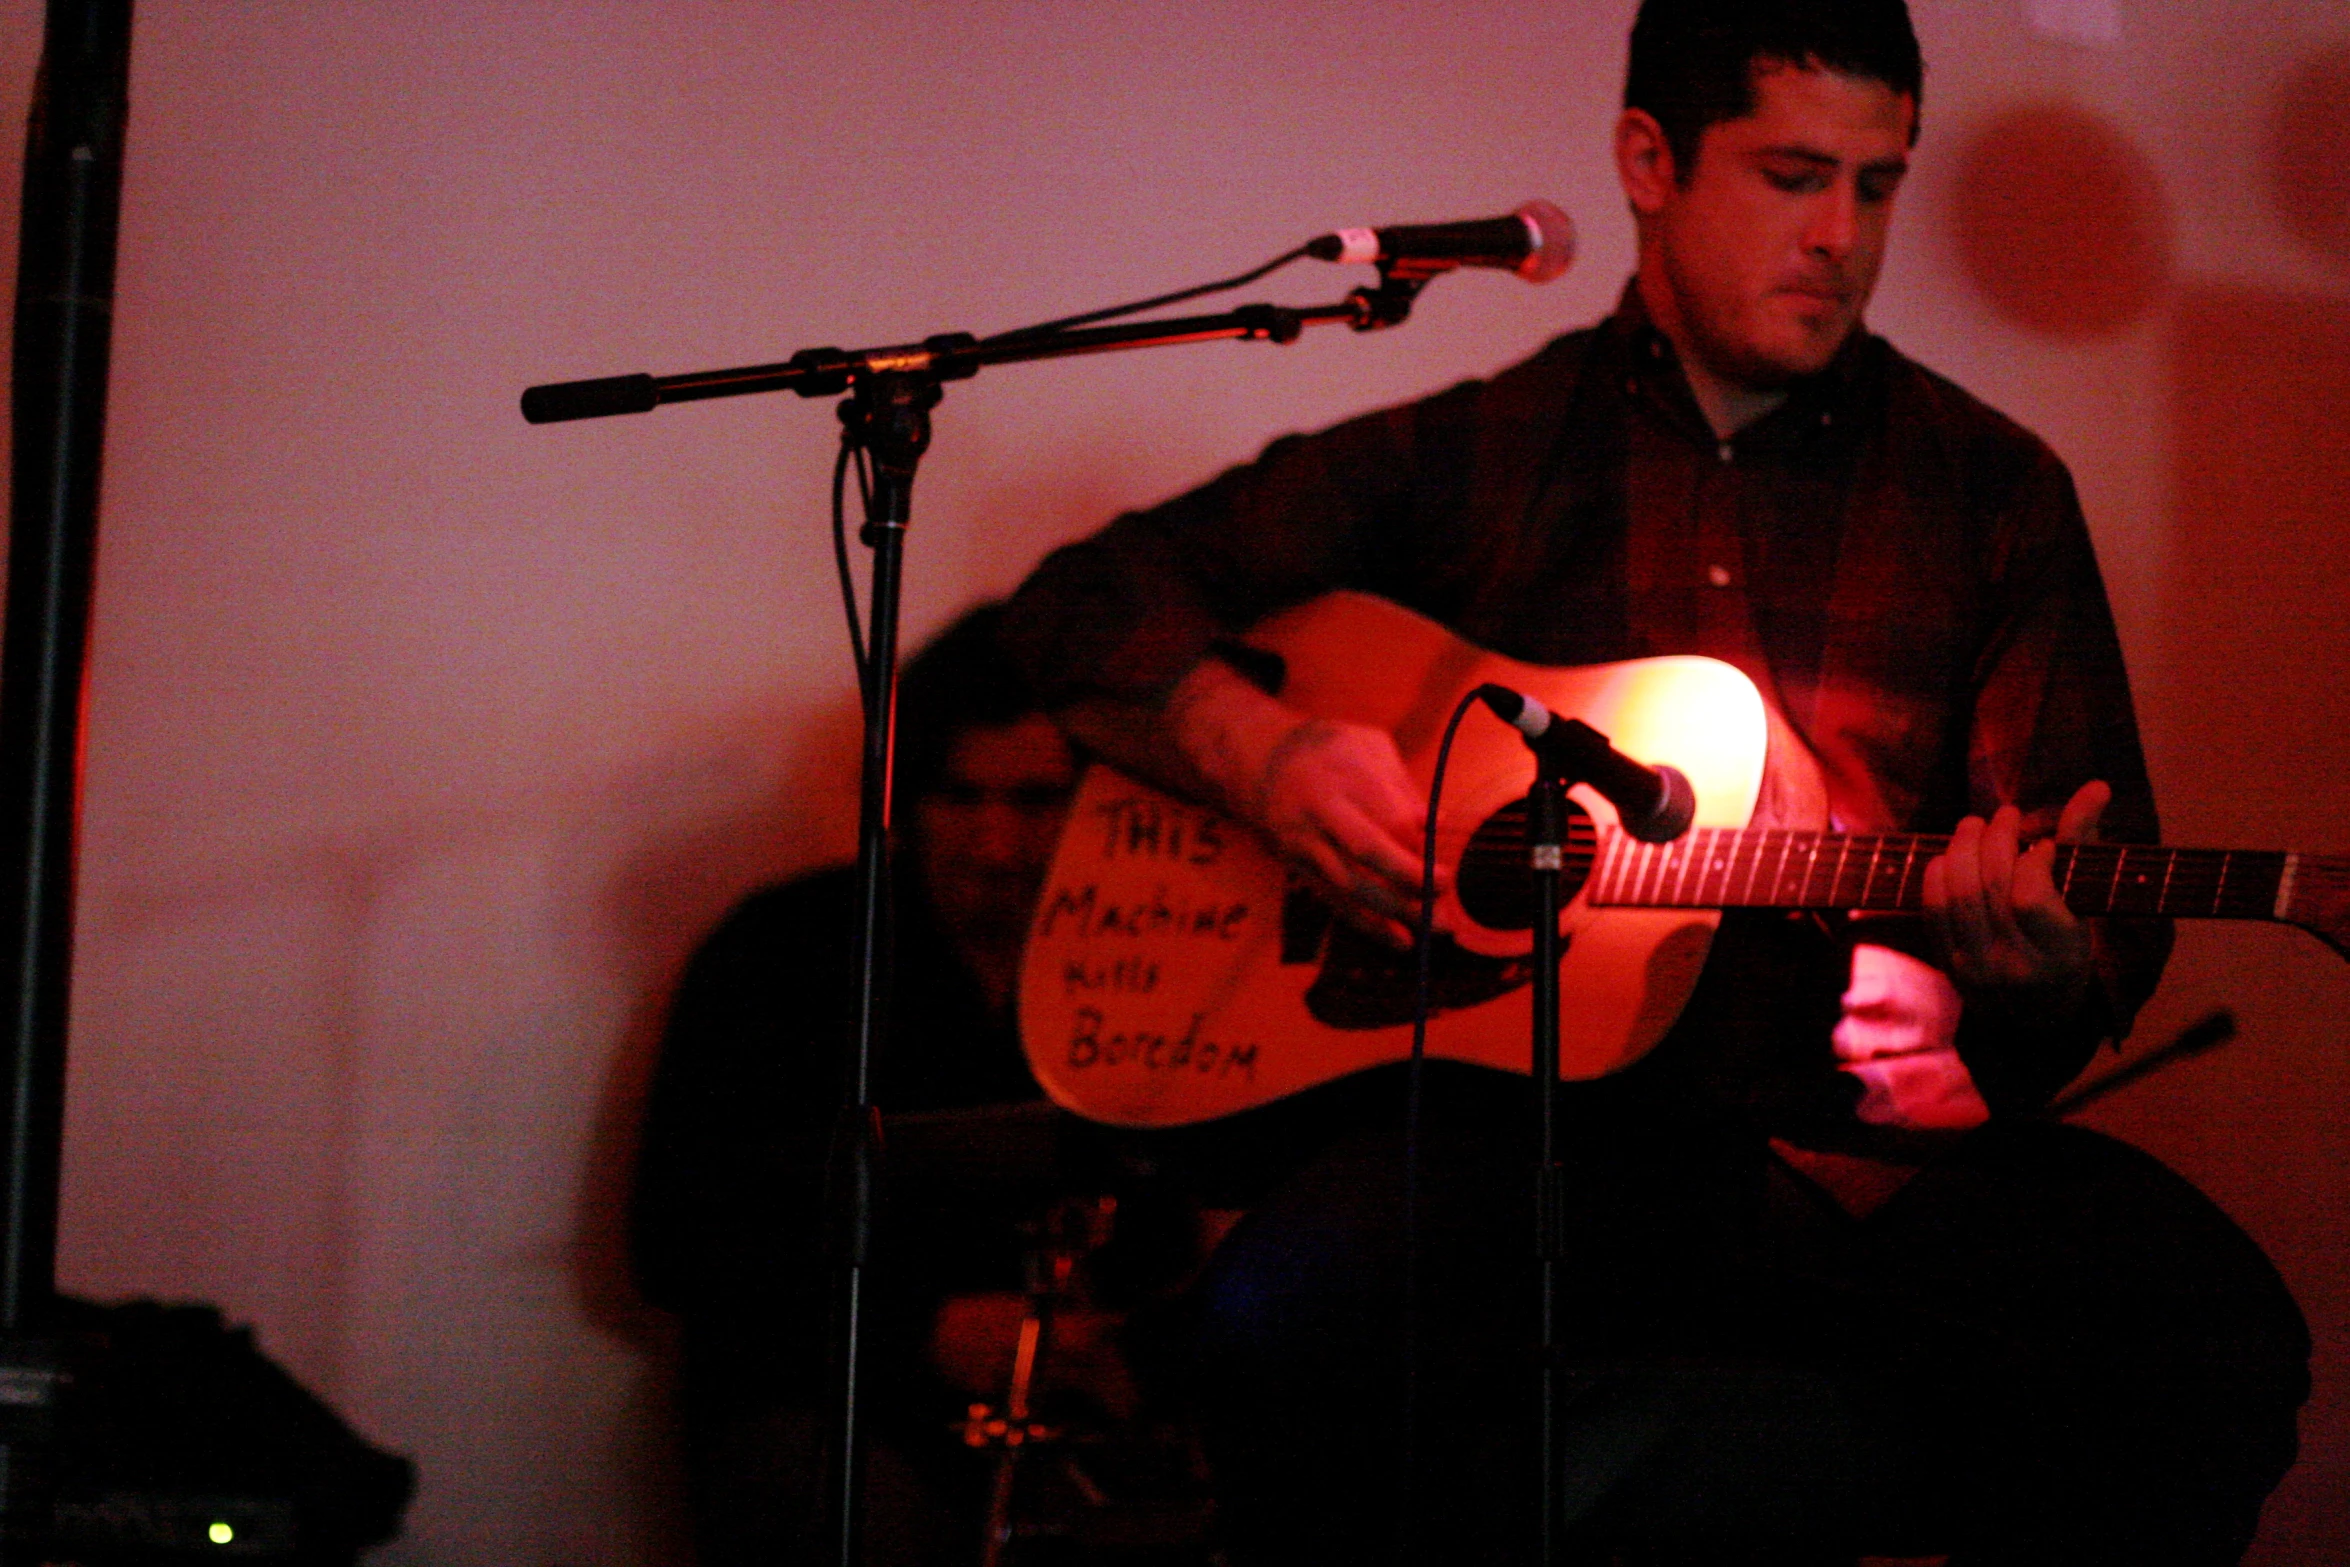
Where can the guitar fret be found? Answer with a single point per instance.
(1754, 864)
(1641, 884)
(1702, 845)
(1689, 886)
(1721, 856)
(1878, 859)
(1689, 861)
(1658, 858)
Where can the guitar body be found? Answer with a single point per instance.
(1174, 975)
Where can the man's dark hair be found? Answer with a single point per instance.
(1693, 61)
(961, 679)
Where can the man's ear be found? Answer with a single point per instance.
(1644, 161)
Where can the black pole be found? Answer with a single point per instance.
(64, 329)
(64, 326)
(888, 415)
(1546, 836)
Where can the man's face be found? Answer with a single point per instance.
(985, 832)
(1761, 263)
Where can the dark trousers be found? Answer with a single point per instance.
(2046, 1348)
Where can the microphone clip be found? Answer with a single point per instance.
(1390, 304)
(1653, 804)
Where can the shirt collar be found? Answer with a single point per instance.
(1819, 408)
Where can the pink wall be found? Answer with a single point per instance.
(423, 743)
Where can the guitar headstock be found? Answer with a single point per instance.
(2320, 899)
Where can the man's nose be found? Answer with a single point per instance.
(998, 834)
(1835, 222)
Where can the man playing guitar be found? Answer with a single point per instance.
(1832, 1287)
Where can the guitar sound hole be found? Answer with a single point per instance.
(1495, 883)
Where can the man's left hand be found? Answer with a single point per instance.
(2006, 932)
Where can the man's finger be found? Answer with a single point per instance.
(1365, 901)
(2033, 886)
(1964, 930)
(1375, 851)
(2000, 856)
(2078, 822)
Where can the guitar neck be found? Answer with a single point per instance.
(1718, 867)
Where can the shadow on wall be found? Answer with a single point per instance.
(655, 906)
(2065, 233)
(2060, 222)
(662, 899)
(2309, 156)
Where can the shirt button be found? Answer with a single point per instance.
(1723, 451)
(1719, 576)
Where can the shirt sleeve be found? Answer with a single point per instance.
(1128, 612)
(2052, 711)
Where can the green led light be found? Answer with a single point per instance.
(220, 1533)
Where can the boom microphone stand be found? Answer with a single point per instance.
(1566, 754)
(887, 412)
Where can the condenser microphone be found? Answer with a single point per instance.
(1537, 242)
(1654, 804)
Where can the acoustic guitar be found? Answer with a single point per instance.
(1175, 974)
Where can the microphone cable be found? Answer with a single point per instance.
(1424, 949)
(852, 450)
(1111, 313)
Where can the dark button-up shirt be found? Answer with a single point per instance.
(1903, 572)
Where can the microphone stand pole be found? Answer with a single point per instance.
(889, 416)
(1546, 836)
(891, 392)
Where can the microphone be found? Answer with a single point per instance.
(1537, 242)
(1654, 804)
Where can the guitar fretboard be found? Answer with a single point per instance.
(1722, 867)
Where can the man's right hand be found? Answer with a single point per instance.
(1332, 797)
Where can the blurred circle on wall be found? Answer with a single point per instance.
(2309, 154)
(2060, 222)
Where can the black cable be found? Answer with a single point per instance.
(1424, 947)
(1047, 328)
(840, 544)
